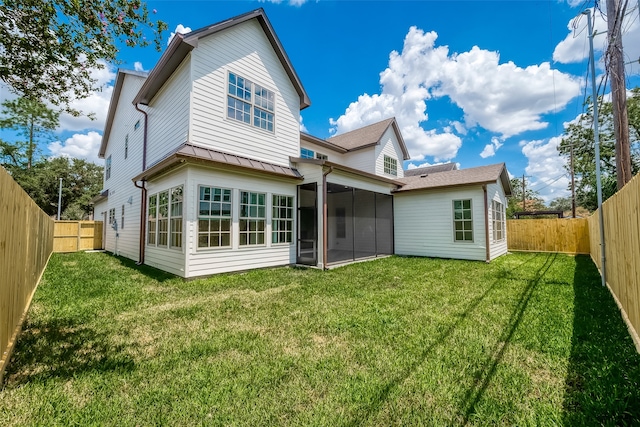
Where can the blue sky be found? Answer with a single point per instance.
(473, 82)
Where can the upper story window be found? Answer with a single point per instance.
(126, 146)
(250, 103)
(390, 165)
(305, 153)
(321, 156)
(462, 222)
(107, 168)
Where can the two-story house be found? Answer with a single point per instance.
(206, 170)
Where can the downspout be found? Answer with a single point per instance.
(143, 223)
(486, 224)
(143, 193)
(325, 231)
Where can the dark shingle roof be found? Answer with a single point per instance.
(368, 136)
(426, 170)
(454, 178)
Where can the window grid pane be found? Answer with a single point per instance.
(462, 221)
(390, 165)
(252, 218)
(176, 217)
(282, 219)
(305, 153)
(250, 103)
(214, 218)
(151, 219)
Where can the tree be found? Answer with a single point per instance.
(579, 135)
(81, 181)
(533, 202)
(49, 47)
(561, 204)
(32, 120)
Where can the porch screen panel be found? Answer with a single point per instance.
(384, 224)
(364, 223)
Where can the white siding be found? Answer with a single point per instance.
(122, 192)
(332, 156)
(213, 261)
(351, 180)
(245, 51)
(169, 115)
(496, 192)
(166, 258)
(424, 224)
(389, 146)
(364, 160)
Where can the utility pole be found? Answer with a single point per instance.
(615, 68)
(524, 207)
(573, 186)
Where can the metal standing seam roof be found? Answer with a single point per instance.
(186, 152)
(454, 178)
(367, 136)
(445, 167)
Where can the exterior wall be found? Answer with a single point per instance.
(167, 258)
(122, 192)
(332, 156)
(169, 115)
(424, 223)
(364, 160)
(212, 261)
(496, 192)
(245, 51)
(389, 146)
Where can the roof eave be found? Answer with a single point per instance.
(323, 143)
(466, 184)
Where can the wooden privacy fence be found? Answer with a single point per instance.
(73, 236)
(621, 215)
(26, 243)
(565, 235)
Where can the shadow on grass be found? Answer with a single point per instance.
(151, 272)
(484, 377)
(63, 349)
(602, 386)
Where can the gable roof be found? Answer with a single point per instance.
(455, 178)
(426, 170)
(182, 44)
(321, 142)
(113, 103)
(368, 136)
(194, 154)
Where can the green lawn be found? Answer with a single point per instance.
(530, 339)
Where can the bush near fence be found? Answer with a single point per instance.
(26, 243)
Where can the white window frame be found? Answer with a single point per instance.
(107, 168)
(176, 201)
(251, 103)
(282, 219)
(498, 219)
(252, 219)
(112, 215)
(321, 156)
(390, 165)
(214, 215)
(459, 217)
(160, 224)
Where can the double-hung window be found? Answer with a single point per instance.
(112, 215)
(497, 213)
(390, 165)
(214, 217)
(282, 219)
(252, 218)
(250, 103)
(175, 229)
(164, 218)
(462, 221)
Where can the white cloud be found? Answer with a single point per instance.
(138, 66)
(575, 47)
(546, 168)
(490, 149)
(289, 2)
(97, 103)
(303, 128)
(502, 98)
(179, 29)
(81, 146)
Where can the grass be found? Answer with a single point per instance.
(530, 339)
